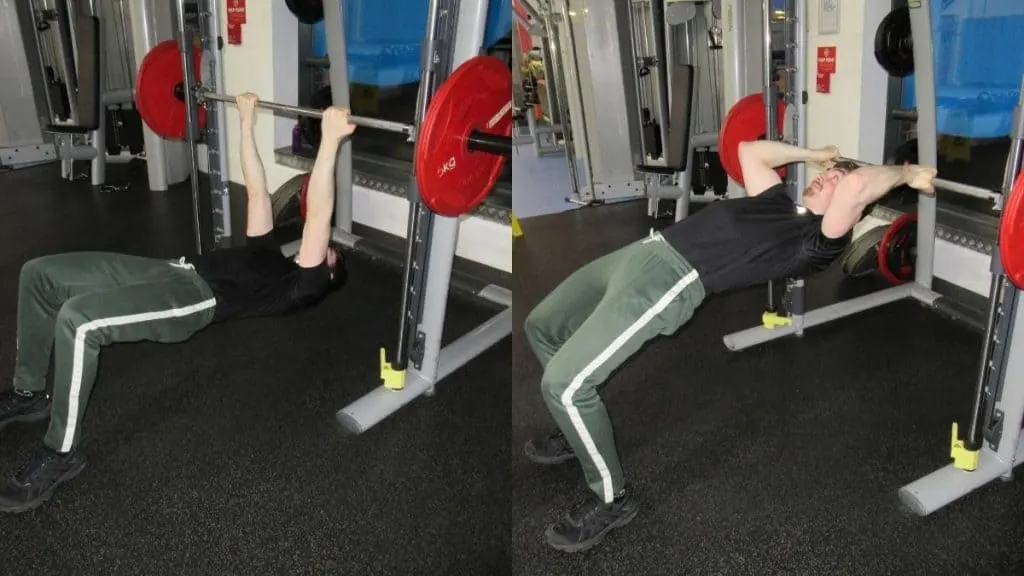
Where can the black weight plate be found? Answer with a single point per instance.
(307, 11)
(284, 201)
(902, 252)
(861, 257)
(894, 44)
(310, 127)
(905, 152)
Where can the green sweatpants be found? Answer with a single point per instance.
(74, 304)
(592, 323)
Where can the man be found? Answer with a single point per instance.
(77, 303)
(605, 312)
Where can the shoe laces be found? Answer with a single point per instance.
(38, 467)
(589, 513)
(12, 400)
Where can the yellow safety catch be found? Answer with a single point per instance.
(393, 379)
(774, 320)
(517, 230)
(963, 458)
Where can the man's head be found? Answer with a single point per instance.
(336, 264)
(820, 190)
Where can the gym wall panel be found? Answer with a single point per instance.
(258, 65)
(852, 115)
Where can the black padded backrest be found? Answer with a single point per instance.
(87, 32)
(680, 105)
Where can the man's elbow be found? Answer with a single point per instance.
(746, 149)
(853, 186)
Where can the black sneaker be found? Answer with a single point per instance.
(20, 406)
(34, 483)
(551, 449)
(587, 526)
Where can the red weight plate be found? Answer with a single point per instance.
(744, 122)
(159, 75)
(302, 196)
(452, 179)
(894, 229)
(1011, 233)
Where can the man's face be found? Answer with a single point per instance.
(823, 185)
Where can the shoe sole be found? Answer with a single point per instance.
(42, 498)
(26, 418)
(548, 460)
(584, 546)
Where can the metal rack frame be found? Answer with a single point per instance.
(455, 33)
(999, 404)
(921, 288)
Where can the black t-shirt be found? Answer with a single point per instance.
(258, 280)
(743, 242)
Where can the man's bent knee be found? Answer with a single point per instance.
(71, 317)
(33, 269)
(558, 376)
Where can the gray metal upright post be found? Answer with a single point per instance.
(437, 362)
(770, 101)
(185, 45)
(633, 52)
(334, 30)
(554, 54)
(216, 125)
(927, 135)
(799, 89)
(98, 137)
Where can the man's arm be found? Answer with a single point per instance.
(316, 234)
(260, 216)
(759, 158)
(865, 185)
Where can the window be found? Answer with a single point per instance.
(977, 84)
(383, 45)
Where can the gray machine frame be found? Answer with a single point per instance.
(431, 240)
(1002, 370)
(70, 148)
(29, 145)
(921, 288)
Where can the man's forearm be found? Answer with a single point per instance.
(252, 166)
(877, 181)
(320, 194)
(777, 154)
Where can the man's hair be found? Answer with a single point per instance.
(845, 166)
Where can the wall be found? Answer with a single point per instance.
(262, 64)
(266, 64)
(858, 91)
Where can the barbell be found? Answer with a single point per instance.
(461, 143)
(745, 122)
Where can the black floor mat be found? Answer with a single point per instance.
(221, 455)
(784, 459)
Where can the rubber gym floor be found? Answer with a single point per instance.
(221, 455)
(784, 459)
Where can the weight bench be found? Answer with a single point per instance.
(679, 148)
(89, 106)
